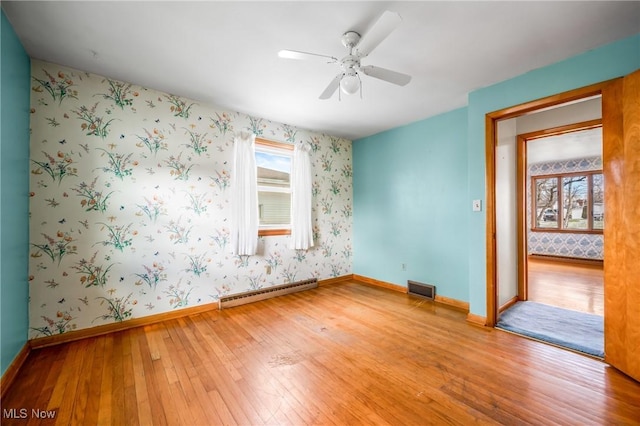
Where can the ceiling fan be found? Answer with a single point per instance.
(359, 47)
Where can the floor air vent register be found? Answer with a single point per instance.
(266, 293)
(426, 291)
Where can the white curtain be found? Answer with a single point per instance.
(244, 198)
(301, 232)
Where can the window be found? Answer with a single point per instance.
(273, 161)
(569, 202)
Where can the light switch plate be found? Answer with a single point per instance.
(477, 205)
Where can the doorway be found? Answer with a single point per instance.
(511, 219)
(549, 240)
(561, 190)
(621, 166)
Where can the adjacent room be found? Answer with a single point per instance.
(310, 212)
(559, 187)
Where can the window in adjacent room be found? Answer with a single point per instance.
(273, 161)
(569, 202)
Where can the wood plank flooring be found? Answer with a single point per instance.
(340, 354)
(566, 285)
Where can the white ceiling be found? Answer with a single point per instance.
(568, 146)
(225, 53)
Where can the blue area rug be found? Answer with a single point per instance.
(571, 329)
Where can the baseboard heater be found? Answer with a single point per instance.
(427, 291)
(266, 293)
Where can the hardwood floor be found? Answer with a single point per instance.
(340, 354)
(572, 286)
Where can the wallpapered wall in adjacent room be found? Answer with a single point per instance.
(130, 203)
(584, 246)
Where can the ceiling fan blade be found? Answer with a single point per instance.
(386, 75)
(332, 87)
(294, 54)
(387, 22)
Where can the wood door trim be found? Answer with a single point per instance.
(509, 303)
(560, 130)
(491, 120)
(490, 182)
(550, 101)
(521, 199)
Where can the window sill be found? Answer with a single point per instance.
(273, 232)
(568, 231)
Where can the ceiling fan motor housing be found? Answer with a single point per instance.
(350, 39)
(350, 62)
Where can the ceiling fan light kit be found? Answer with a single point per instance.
(348, 80)
(350, 83)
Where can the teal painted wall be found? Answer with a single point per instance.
(410, 204)
(14, 193)
(601, 64)
(413, 185)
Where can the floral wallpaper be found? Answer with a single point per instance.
(584, 246)
(129, 207)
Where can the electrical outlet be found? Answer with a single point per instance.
(477, 205)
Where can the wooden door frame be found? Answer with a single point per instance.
(491, 125)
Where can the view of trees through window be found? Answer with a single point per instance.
(571, 202)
